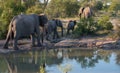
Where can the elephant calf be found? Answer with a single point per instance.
(51, 28)
(25, 25)
(71, 25)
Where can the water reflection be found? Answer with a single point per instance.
(60, 61)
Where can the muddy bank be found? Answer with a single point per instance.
(103, 43)
(86, 42)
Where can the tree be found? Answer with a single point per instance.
(62, 8)
(115, 6)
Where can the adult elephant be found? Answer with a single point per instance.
(25, 25)
(71, 26)
(85, 12)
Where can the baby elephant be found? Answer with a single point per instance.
(71, 25)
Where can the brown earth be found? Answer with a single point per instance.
(85, 42)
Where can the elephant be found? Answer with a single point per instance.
(25, 25)
(86, 12)
(59, 24)
(71, 25)
(51, 28)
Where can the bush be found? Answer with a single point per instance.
(3, 30)
(7, 12)
(85, 27)
(35, 9)
(104, 23)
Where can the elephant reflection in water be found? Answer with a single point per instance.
(17, 64)
(25, 25)
(51, 29)
(71, 25)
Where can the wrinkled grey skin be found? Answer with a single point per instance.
(85, 12)
(25, 25)
(71, 25)
(51, 28)
(59, 24)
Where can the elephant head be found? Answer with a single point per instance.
(25, 25)
(42, 21)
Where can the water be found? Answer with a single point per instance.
(61, 61)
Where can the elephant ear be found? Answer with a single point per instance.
(43, 20)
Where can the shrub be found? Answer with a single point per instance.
(104, 23)
(85, 27)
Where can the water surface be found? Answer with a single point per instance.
(61, 61)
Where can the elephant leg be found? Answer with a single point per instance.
(47, 36)
(55, 34)
(68, 31)
(38, 41)
(6, 43)
(38, 38)
(62, 31)
(33, 40)
(72, 29)
(15, 42)
(7, 39)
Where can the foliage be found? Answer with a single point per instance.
(98, 5)
(85, 27)
(11, 8)
(62, 8)
(91, 26)
(104, 23)
(35, 9)
(115, 5)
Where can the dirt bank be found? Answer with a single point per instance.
(85, 42)
(89, 42)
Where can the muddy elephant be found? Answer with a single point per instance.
(71, 24)
(85, 12)
(25, 25)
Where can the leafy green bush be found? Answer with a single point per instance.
(104, 23)
(85, 27)
(7, 12)
(35, 9)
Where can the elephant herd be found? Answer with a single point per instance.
(28, 25)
